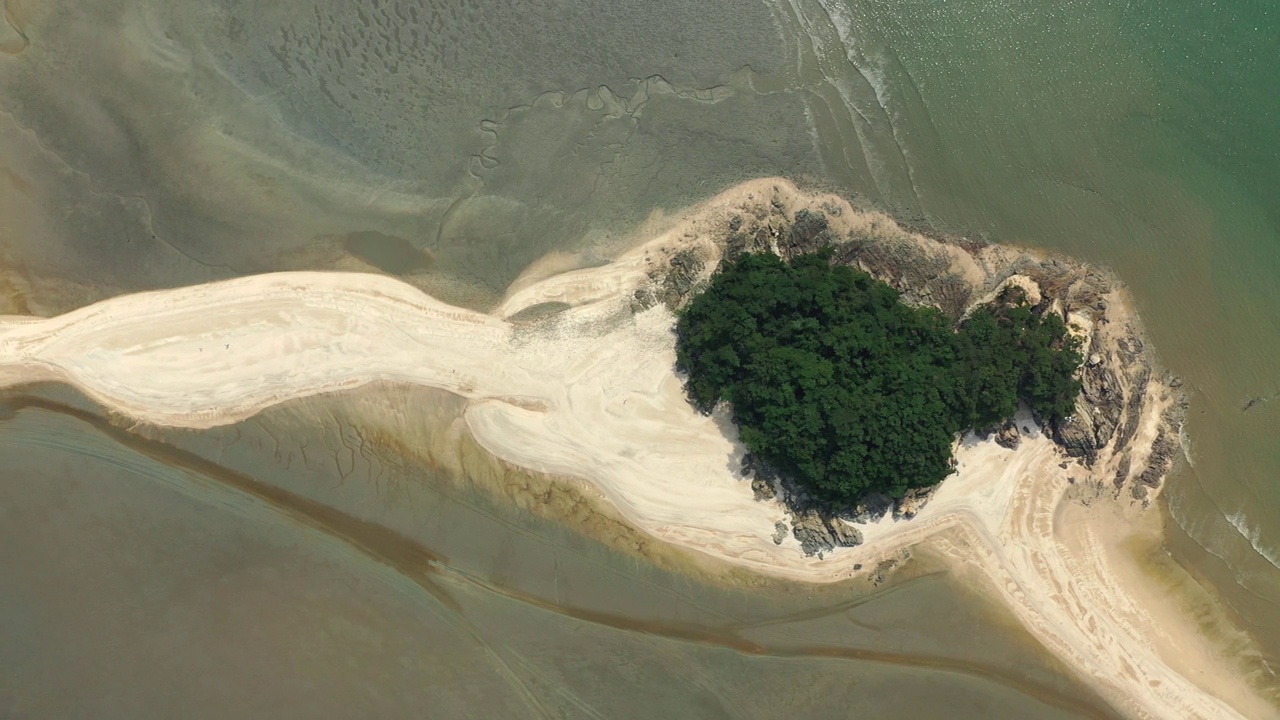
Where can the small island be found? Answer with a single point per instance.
(854, 357)
(848, 391)
(571, 380)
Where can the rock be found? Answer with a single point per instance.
(819, 533)
(1076, 436)
(762, 488)
(682, 279)
(808, 233)
(643, 299)
(844, 534)
(1104, 396)
(952, 294)
(735, 246)
(885, 567)
(779, 532)
(872, 508)
(808, 528)
(1133, 408)
(1007, 436)
(1122, 471)
(1253, 402)
(1163, 452)
(913, 502)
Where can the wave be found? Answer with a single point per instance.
(1254, 537)
(1206, 531)
(1184, 440)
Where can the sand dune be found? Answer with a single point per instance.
(590, 393)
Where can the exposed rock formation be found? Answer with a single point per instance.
(819, 531)
(682, 281)
(779, 532)
(912, 503)
(1007, 436)
(1163, 452)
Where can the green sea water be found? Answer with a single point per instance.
(1142, 136)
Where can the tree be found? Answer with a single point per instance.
(847, 390)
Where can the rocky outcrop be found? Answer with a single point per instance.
(1163, 452)
(909, 505)
(1076, 435)
(809, 232)
(1105, 398)
(762, 488)
(820, 532)
(682, 279)
(1007, 436)
(779, 532)
(871, 508)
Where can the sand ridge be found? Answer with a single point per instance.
(591, 393)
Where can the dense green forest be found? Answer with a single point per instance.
(845, 389)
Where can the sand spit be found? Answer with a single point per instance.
(589, 392)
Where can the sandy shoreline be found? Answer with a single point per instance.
(590, 393)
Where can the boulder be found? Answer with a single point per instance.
(1007, 436)
(762, 488)
(779, 532)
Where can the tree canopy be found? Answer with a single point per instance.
(842, 387)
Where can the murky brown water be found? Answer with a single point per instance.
(151, 578)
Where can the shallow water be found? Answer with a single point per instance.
(155, 581)
(148, 144)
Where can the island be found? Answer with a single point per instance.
(575, 375)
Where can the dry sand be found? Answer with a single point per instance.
(591, 394)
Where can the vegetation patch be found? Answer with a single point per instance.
(846, 390)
